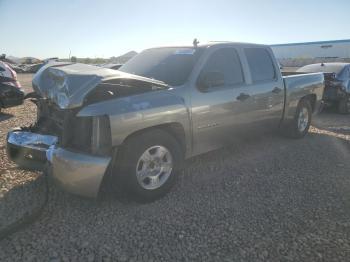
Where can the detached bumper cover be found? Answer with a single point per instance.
(76, 172)
(31, 140)
(28, 149)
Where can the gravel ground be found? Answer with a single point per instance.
(10, 118)
(268, 199)
(18, 188)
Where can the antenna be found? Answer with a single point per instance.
(195, 43)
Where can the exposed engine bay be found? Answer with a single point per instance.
(62, 90)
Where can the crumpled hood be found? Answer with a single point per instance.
(67, 84)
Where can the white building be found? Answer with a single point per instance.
(336, 49)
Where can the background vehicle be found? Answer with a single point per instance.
(164, 105)
(337, 84)
(10, 92)
(112, 66)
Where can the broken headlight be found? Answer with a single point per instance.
(91, 135)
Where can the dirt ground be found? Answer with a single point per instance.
(10, 118)
(268, 199)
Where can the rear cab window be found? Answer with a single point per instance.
(260, 64)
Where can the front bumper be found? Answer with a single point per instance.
(76, 172)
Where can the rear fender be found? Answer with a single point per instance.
(299, 87)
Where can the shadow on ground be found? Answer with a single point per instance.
(5, 116)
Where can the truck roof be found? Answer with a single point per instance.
(214, 43)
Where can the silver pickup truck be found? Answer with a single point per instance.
(166, 104)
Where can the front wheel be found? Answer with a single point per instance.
(149, 164)
(302, 120)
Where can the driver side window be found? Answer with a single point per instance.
(225, 61)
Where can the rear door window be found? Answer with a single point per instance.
(260, 64)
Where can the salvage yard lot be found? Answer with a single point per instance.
(269, 198)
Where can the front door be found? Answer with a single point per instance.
(213, 109)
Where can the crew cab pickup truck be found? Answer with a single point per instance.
(166, 104)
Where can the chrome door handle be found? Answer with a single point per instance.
(242, 96)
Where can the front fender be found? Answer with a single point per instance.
(128, 115)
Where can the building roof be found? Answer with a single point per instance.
(315, 43)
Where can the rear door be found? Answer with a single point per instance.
(265, 88)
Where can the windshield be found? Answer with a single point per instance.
(172, 65)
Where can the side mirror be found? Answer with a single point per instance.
(211, 79)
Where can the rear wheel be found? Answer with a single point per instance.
(302, 120)
(149, 164)
(344, 105)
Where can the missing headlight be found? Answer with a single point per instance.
(101, 136)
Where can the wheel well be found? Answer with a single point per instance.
(312, 99)
(174, 129)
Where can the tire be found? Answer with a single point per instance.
(344, 105)
(302, 120)
(139, 156)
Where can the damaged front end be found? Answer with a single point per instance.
(78, 148)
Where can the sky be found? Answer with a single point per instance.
(105, 28)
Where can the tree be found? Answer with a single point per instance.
(73, 59)
(87, 60)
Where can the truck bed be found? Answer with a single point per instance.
(299, 85)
